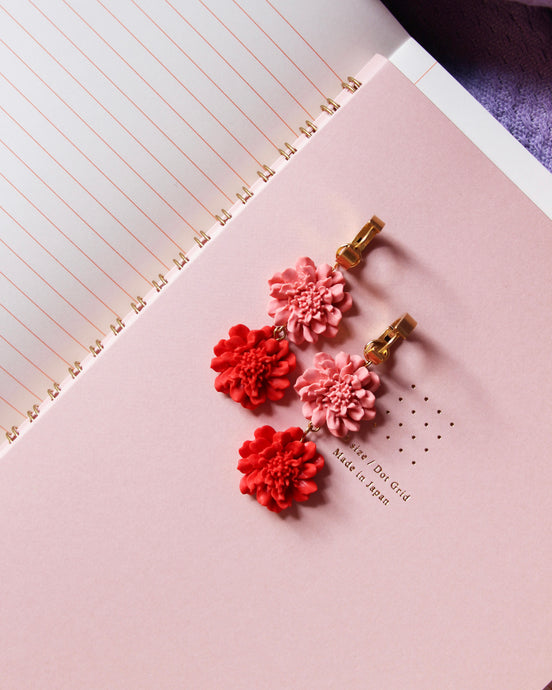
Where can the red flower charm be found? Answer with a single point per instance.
(253, 366)
(279, 467)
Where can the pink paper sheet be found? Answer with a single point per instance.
(131, 560)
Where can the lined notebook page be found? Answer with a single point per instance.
(126, 126)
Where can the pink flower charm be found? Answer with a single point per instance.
(253, 366)
(308, 300)
(338, 392)
(279, 467)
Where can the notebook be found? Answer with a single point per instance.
(128, 129)
(129, 132)
(130, 557)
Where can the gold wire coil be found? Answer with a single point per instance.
(32, 414)
(309, 130)
(290, 148)
(139, 305)
(55, 391)
(351, 84)
(12, 434)
(288, 151)
(204, 238)
(75, 370)
(331, 106)
(224, 218)
(310, 428)
(265, 175)
(117, 327)
(96, 348)
(248, 195)
(162, 282)
(287, 155)
(184, 260)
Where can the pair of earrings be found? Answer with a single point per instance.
(307, 301)
(254, 365)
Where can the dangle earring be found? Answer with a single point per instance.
(306, 302)
(279, 466)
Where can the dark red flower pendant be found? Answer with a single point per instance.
(253, 365)
(279, 467)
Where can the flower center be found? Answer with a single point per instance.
(254, 364)
(308, 299)
(281, 471)
(339, 392)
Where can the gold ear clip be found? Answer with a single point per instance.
(350, 255)
(379, 350)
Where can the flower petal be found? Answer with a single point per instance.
(283, 472)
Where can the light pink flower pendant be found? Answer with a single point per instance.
(307, 302)
(338, 392)
(279, 467)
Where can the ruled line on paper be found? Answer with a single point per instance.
(190, 93)
(256, 58)
(49, 316)
(85, 189)
(30, 361)
(13, 408)
(212, 81)
(127, 97)
(229, 64)
(279, 48)
(87, 158)
(113, 312)
(113, 162)
(35, 395)
(35, 335)
(428, 70)
(95, 132)
(302, 38)
(147, 116)
(80, 313)
(69, 206)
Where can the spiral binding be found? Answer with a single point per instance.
(53, 393)
(76, 369)
(32, 414)
(248, 195)
(96, 349)
(330, 107)
(161, 284)
(179, 264)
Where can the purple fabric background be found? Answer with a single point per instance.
(500, 51)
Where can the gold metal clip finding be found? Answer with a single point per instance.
(350, 255)
(377, 351)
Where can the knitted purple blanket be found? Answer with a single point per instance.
(500, 51)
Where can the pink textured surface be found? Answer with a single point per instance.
(131, 560)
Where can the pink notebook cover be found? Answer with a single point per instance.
(131, 560)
